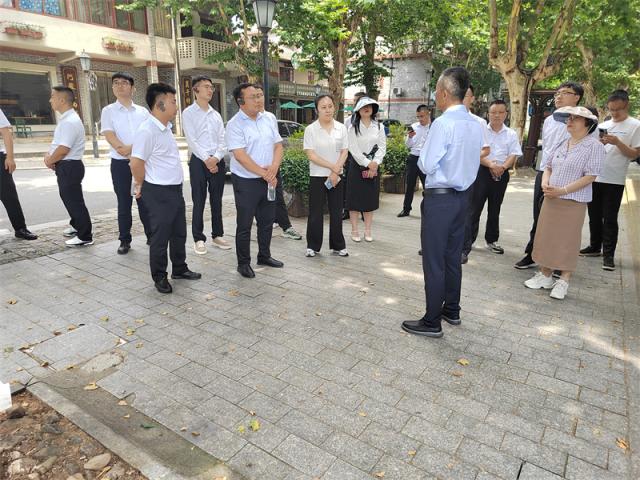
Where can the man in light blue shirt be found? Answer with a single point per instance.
(256, 152)
(449, 160)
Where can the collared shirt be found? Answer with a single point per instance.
(451, 155)
(553, 133)
(327, 146)
(362, 144)
(257, 137)
(4, 123)
(123, 122)
(503, 144)
(416, 142)
(69, 133)
(204, 130)
(483, 124)
(570, 164)
(616, 163)
(155, 145)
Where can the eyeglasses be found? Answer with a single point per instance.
(560, 94)
(257, 96)
(573, 118)
(117, 83)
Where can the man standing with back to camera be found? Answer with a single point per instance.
(450, 160)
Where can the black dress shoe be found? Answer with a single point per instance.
(246, 271)
(403, 213)
(124, 247)
(420, 252)
(187, 275)
(270, 262)
(163, 285)
(25, 234)
(419, 327)
(451, 319)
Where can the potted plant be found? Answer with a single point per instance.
(395, 160)
(295, 176)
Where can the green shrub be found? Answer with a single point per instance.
(295, 170)
(297, 135)
(395, 159)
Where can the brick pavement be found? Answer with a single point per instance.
(315, 353)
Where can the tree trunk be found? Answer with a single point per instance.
(519, 86)
(590, 96)
(336, 78)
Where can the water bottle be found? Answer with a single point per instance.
(271, 193)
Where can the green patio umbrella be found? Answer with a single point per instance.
(309, 105)
(290, 105)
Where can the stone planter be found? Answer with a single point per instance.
(299, 205)
(11, 31)
(393, 183)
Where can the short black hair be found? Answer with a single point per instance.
(200, 78)
(592, 124)
(124, 75)
(423, 108)
(576, 87)
(498, 101)
(238, 91)
(456, 81)
(66, 92)
(473, 90)
(320, 97)
(155, 90)
(621, 95)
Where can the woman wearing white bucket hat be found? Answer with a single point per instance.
(367, 147)
(574, 165)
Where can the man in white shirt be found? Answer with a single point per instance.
(65, 158)
(491, 182)
(204, 130)
(8, 192)
(256, 152)
(157, 172)
(568, 94)
(621, 137)
(469, 100)
(118, 123)
(415, 140)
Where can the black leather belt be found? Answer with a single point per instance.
(437, 191)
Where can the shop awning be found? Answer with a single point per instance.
(290, 106)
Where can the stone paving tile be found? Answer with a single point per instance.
(531, 472)
(489, 459)
(576, 447)
(581, 470)
(534, 453)
(343, 471)
(394, 469)
(352, 450)
(304, 456)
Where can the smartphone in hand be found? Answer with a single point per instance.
(603, 132)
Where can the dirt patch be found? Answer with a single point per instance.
(40, 444)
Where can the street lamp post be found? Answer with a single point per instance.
(85, 63)
(264, 10)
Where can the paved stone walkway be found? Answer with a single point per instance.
(527, 387)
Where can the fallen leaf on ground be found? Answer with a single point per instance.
(104, 318)
(56, 333)
(622, 443)
(8, 349)
(318, 314)
(91, 386)
(123, 403)
(130, 331)
(139, 321)
(179, 353)
(183, 429)
(69, 367)
(44, 364)
(457, 374)
(139, 345)
(71, 328)
(362, 414)
(241, 429)
(379, 474)
(252, 413)
(195, 434)
(147, 425)
(209, 297)
(412, 453)
(234, 293)
(254, 425)
(463, 361)
(127, 416)
(12, 301)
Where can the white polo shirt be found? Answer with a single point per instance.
(327, 146)
(616, 163)
(416, 142)
(123, 121)
(69, 133)
(483, 124)
(155, 145)
(257, 137)
(503, 144)
(4, 123)
(204, 131)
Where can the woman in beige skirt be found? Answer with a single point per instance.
(574, 165)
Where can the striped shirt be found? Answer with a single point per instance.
(570, 164)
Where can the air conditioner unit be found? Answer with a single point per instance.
(398, 92)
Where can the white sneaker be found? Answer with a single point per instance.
(200, 248)
(342, 253)
(540, 281)
(221, 243)
(69, 232)
(310, 253)
(559, 290)
(76, 242)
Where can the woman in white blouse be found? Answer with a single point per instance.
(367, 147)
(325, 143)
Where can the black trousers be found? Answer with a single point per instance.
(251, 202)
(168, 225)
(603, 216)
(9, 196)
(412, 173)
(538, 197)
(282, 215)
(203, 181)
(69, 174)
(485, 190)
(121, 178)
(442, 236)
(318, 197)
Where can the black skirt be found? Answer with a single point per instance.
(363, 194)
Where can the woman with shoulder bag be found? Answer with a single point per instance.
(367, 147)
